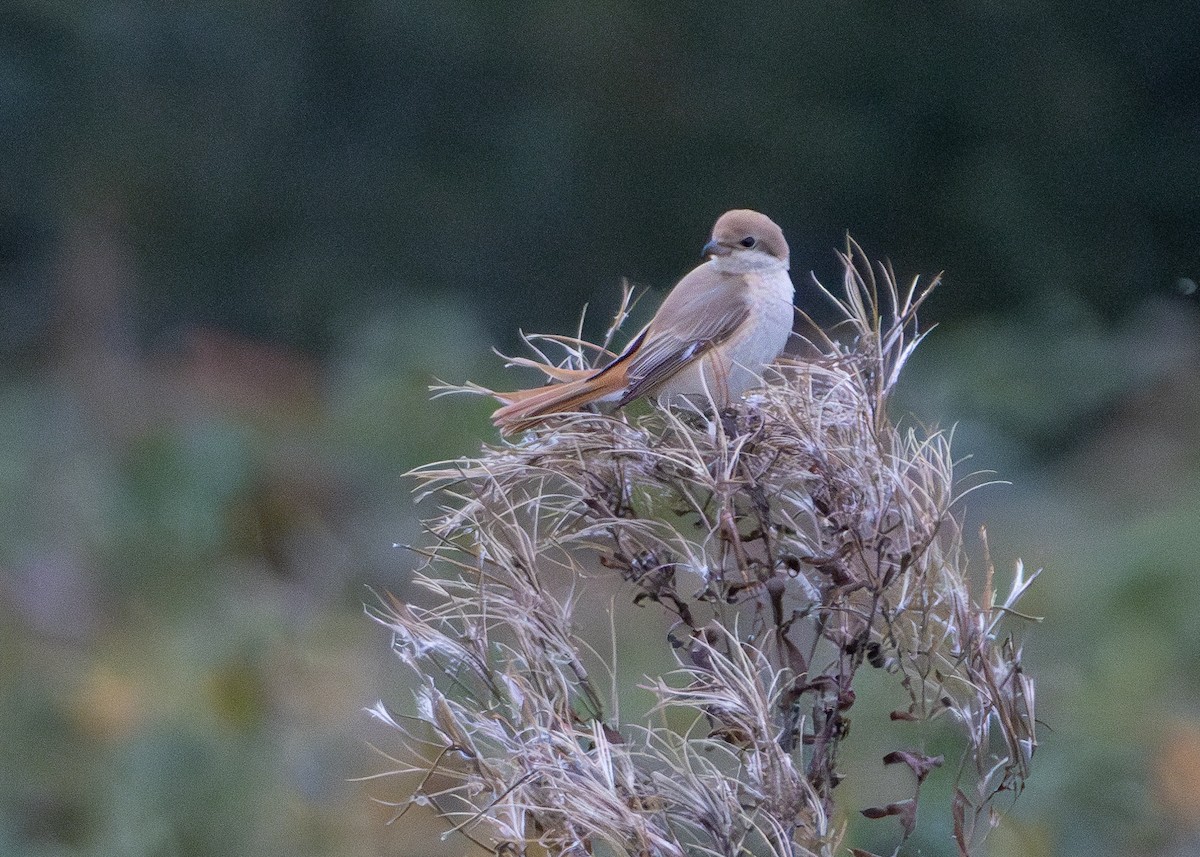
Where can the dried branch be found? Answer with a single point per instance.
(794, 541)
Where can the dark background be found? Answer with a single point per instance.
(239, 239)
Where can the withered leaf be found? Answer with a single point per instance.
(919, 764)
(905, 810)
(959, 811)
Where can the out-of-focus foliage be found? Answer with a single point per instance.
(238, 239)
(278, 162)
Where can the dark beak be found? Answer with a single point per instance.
(712, 248)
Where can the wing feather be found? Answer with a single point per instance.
(705, 309)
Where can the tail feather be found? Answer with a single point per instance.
(526, 408)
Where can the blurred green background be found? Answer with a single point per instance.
(238, 239)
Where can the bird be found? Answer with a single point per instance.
(708, 342)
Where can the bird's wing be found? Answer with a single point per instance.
(705, 309)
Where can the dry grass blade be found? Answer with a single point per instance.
(791, 544)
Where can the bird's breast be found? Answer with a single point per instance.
(766, 331)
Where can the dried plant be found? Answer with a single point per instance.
(791, 542)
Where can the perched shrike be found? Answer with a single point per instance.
(710, 339)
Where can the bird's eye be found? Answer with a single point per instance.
(748, 241)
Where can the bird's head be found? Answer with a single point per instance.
(744, 240)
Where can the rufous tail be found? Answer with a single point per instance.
(526, 408)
